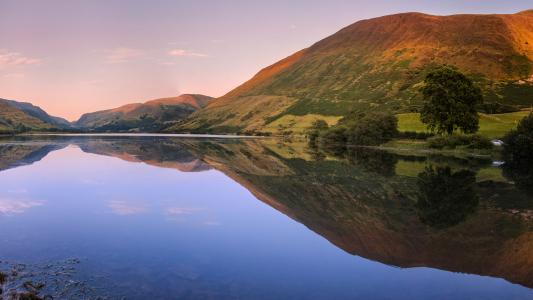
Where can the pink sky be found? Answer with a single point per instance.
(74, 56)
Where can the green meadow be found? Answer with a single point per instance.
(491, 126)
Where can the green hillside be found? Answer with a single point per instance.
(379, 64)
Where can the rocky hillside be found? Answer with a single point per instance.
(379, 64)
(146, 117)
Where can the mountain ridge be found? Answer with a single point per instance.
(147, 116)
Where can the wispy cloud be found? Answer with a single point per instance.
(8, 59)
(183, 52)
(122, 55)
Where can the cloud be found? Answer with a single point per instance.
(122, 55)
(9, 59)
(122, 208)
(184, 53)
(16, 206)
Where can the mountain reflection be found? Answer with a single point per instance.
(456, 214)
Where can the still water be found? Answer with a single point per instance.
(190, 218)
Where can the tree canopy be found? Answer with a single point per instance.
(450, 100)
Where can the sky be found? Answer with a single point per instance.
(71, 56)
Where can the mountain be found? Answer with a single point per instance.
(148, 116)
(38, 113)
(22, 116)
(379, 64)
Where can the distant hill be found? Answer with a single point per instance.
(22, 116)
(379, 64)
(144, 117)
(38, 113)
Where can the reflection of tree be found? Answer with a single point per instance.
(373, 160)
(518, 166)
(522, 175)
(446, 198)
(369, 159)
(316, 154)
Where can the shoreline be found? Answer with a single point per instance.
(183, 135)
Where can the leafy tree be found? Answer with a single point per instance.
(518, 154)
(446, 198)
(450, 101)
(373, 129)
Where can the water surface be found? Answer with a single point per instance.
(156, 217)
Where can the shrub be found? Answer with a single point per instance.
(452, 141)
(479, 142)
(497, 108)
(413, 135)
(371, 130)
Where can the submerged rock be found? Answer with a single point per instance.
(45, 281)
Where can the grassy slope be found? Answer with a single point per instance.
(491, 126)
(11, 118)
(380, 64)
(298, 124)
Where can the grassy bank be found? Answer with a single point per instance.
(491, 126)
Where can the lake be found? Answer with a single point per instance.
(155, 217)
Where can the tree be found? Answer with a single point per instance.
(450, 101)
(373, 129)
